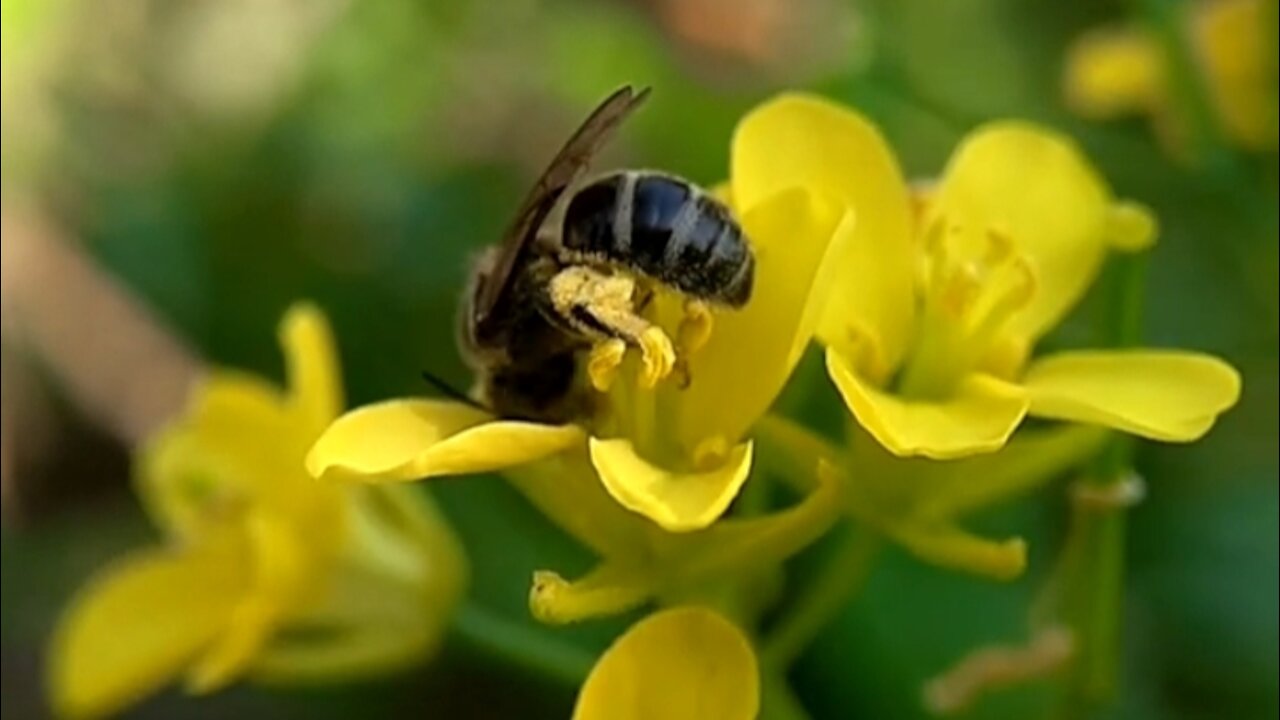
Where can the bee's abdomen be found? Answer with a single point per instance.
(662, 227)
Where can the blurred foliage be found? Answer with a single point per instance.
(226, 158)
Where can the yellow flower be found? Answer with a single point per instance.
(255, 549)
(686, 662)
(677, 454)
(1119, 70)
(937, 307)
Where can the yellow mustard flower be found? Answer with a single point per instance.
(263, 570)
(939, 303)
(685, 662)
(677, 453)
(1114, 71)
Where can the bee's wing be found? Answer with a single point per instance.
(571, 161)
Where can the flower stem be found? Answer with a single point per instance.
(1092, 566)
(818, 603)
(522, 646)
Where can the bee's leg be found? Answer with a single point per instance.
(602, 306)
(693, 333)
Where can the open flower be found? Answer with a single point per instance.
(263, 570)
(685, 662)
(676, 454)
(938, 306)
(1115, 71)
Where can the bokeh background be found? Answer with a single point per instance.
(221, 158)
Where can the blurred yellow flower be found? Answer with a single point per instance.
(255, 550)
(676, 454)
(938, 305)
(685, 662)
(1115, 71)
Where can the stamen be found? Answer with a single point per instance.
(960, 290)
(603, 362)
(711, 453)
(691, 336)
(999, 248)
(1006, 302)
(657, 356)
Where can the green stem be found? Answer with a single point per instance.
(1092, 569)
(522, 646)
(818, 603)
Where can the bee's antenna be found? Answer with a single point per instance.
(444, 388)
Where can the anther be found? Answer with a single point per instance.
(657, 356)
(603, 362)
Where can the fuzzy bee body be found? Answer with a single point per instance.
(664, 228)
(544, 295)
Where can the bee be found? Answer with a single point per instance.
(578, 264)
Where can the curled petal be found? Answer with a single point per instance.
(798, 140)
(1037, 187)
(978, 417)
(1169, 396)
(797, 237)
(169, 606)
(401, 440)
(677, 502)
(315, 385)
(686, 662)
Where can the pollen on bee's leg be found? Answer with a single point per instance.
(603, 362)
(657, 356)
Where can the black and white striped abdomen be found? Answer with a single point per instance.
(665, 228)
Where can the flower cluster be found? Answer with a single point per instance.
(929, 302)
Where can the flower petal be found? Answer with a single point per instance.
(1037, 187)
(1170, 396)
(685, 662)
(796, 236)
(677, 502)
(315, 383)
(798, 140)
(134, 628)
(978, 418)
(401, 440)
